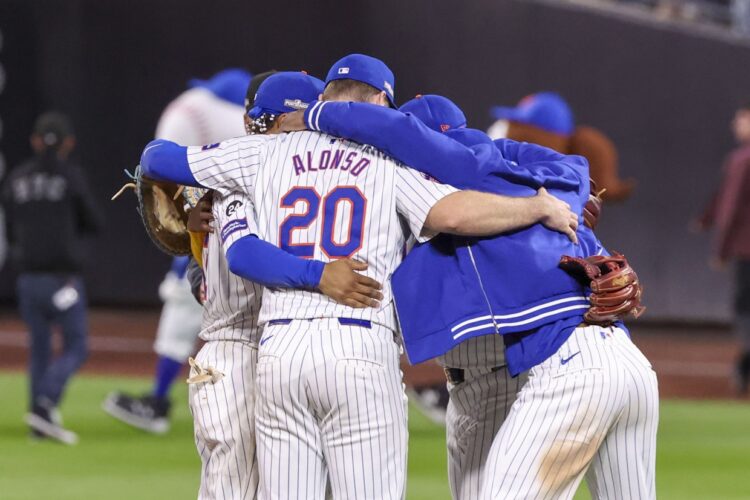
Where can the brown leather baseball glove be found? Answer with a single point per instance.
(593, 208)
(616, 290)
(163, 208)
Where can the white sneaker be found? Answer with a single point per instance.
(48, 428)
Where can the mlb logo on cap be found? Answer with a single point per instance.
(367, 70)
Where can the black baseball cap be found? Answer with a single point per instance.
(53, 127)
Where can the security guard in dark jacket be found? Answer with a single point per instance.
(50, 212)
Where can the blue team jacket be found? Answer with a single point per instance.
(453, 288)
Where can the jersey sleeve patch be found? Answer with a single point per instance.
(232, 227)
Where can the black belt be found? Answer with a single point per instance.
(342, 321)
(457, 375)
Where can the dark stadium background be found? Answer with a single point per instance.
(664, 96)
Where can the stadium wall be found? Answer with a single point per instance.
(664, 94)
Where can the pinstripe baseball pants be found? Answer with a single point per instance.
(592, 408)
(477, 408)
(223, 415)
(331, 407)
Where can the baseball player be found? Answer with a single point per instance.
(222, 379)
(590, 389)
(209, 111)
(330, 398)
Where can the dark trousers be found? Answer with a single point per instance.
(742, 286)
(36, 293)
(742, 310)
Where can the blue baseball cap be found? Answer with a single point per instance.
(229, 85)
(365, 69)
(469, 136)
(285, 92)
(546, 110)
(437, 112)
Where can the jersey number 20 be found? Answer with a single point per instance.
(340, 198)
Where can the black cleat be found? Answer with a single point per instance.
(146, 412)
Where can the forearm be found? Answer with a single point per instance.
(89, 218)
(163, 160)
(261, 262)
(471, 213)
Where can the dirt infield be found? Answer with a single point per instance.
(691, 362)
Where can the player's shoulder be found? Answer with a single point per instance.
(196, 96)
(183, 106)
(233, 143)
(225, 206)
(309, 138)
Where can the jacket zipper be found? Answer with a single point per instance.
(481, 287)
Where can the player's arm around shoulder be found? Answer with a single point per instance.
(472, 213)
(226, 166)
(402, 136)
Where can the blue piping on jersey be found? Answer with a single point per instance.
(523, 318)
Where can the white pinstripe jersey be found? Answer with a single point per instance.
(199, 117)
(230, 311)
(320, 197)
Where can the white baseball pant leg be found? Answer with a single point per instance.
(477, 408)
(179, 324)
(331, 407)
(593, 404)
(223, 415)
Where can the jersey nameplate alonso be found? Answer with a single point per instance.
(320, 197)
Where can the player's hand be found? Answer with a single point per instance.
(201, 216)
(342, 283)
(556, 215)
(293, 122)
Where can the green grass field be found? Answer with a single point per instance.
(704, 451)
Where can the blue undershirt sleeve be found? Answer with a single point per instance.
(164, 160)
(259, 261)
